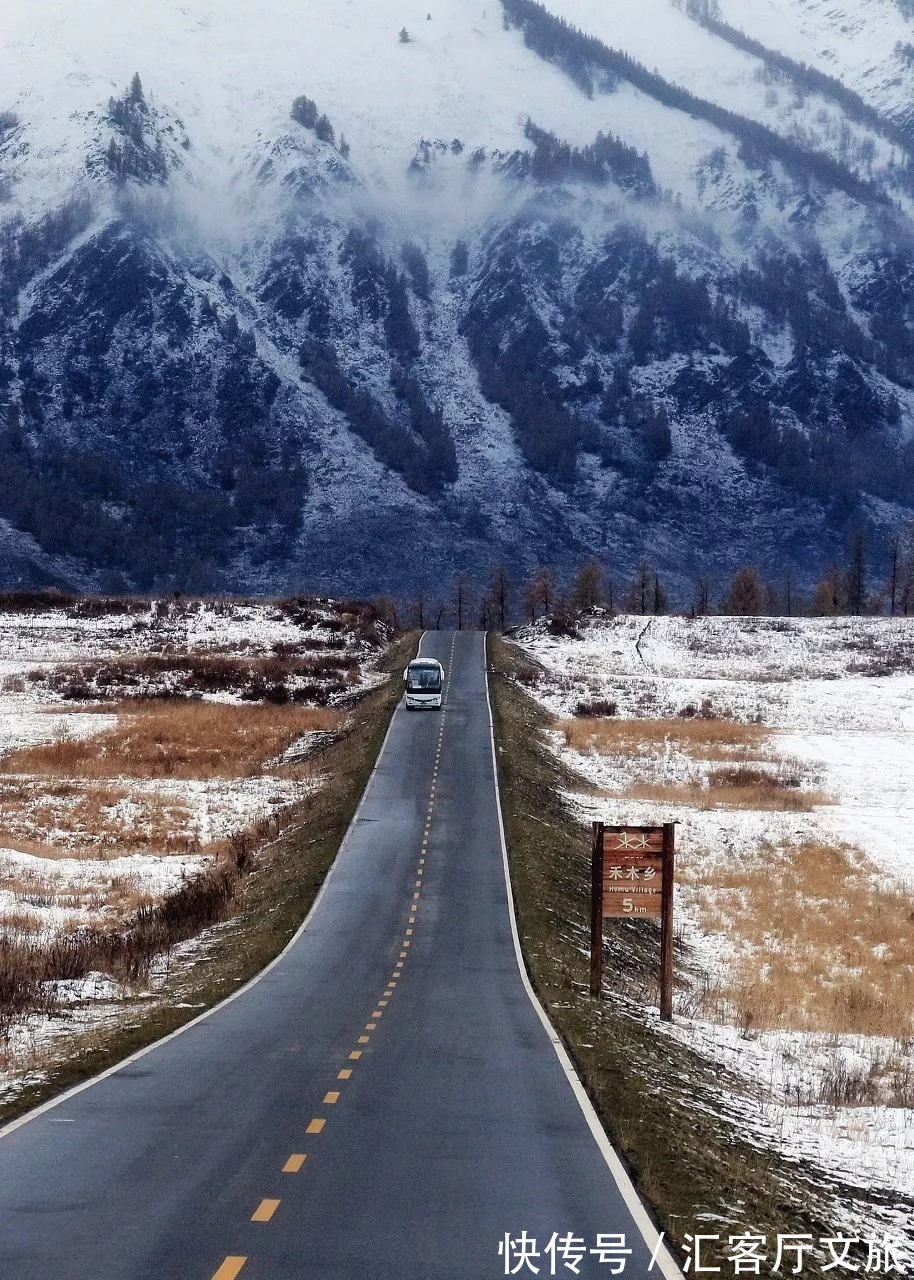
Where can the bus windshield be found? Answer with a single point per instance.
(426, 679)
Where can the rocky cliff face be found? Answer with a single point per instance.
(497, 291)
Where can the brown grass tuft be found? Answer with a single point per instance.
(704, 739)
(825, 946)
(725, 793)
(176, 739)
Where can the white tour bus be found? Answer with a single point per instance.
(424, 683)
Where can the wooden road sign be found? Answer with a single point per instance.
(632, 870)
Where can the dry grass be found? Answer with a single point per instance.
(825, 946)
(126, 950)
(114, 896)
(749, 774)
(727, 792)
(176, 739)
(702, 739)
(285, 676)
(94, 820)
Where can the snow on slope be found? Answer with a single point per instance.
(231, 72)
(853, 40)
(659, 34)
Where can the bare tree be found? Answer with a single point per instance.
(440, 612)
(500, 592)
(487, 613)
(856, 575)
(831, 593)
(638, 596)
(747, 595)
(588, 587)
(894, 568)
(701, 598)
(420, 608)
(788, 593)
(539, 592)
(660, 601)
(461, 598)
(386, 608)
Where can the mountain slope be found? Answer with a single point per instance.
(288, 298)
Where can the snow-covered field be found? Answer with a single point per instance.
(829, 706)
(32, 711)
(85, 845)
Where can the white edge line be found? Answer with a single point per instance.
(665, 1261)
(59, 1100)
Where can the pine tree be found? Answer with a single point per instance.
(304, 112)
(113, 158)
(460, 259)
(136, 88)
(344, 147)
(324, 129)
(405, 37)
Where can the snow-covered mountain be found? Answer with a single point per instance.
(360, 295)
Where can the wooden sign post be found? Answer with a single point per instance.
(632, 870)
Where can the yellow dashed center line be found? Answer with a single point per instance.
(233, 1263)
(230, 1268)
(264, 1211)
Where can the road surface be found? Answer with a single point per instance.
(384, 1102)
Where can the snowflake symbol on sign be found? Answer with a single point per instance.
(632, 840)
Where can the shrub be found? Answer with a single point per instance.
(596, 707)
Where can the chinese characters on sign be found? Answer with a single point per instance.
(632, 879)
(746, 1253)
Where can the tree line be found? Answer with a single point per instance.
(593, 65)
(806, 78)
(852, 586)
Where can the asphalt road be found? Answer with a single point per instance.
(384, 1102)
